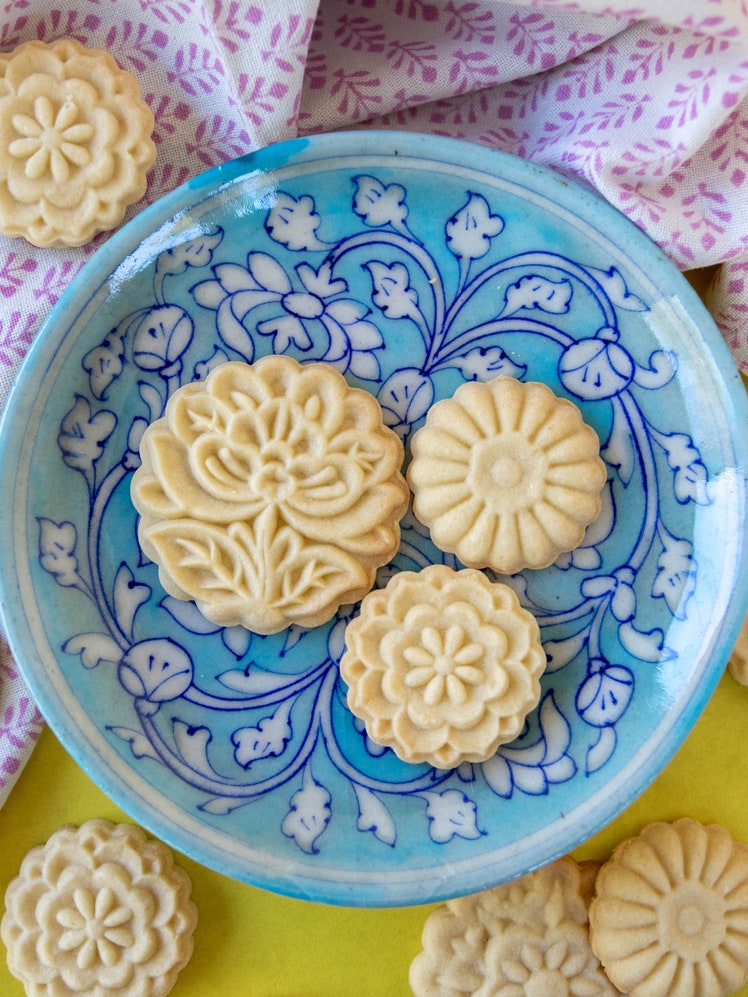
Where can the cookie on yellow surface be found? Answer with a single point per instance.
(443, 666)
(270, 493)
(75, 142)
(670, 915)
(738, 660)
(99, 910)
(522, 939)
(506, 475)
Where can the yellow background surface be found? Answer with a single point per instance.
(250, 943)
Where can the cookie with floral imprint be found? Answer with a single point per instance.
(506, 474)
(670, 913)
(527, 938)
(443, 665)
(270, 494)
(75, 142)
(99, 909)
(738, 661)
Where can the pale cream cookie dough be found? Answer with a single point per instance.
(270, 494)
(100, 910)
(670, 914)
(738, 660)
(506, 475)
(443, 666)
(528, 938)
(75, 142)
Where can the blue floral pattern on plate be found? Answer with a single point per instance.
(411, 265)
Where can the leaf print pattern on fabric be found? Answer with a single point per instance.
(16, 333)
(20, 721)
(196, 69)
(20, 726)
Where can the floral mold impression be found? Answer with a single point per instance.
(270, 494)
(240, 747)
(75, 142)
(443, 666)
(506, 475)
(99, 909)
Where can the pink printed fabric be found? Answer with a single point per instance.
(646, 103)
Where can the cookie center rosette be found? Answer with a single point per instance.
(270, 494)
(443, 666)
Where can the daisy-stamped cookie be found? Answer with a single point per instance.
(75, 142)
(528, 938)
(443, 666)
(100, 910)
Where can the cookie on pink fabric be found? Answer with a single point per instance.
(75, 142)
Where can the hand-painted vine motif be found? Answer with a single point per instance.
(306, 290)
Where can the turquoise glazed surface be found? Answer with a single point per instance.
(412, 264)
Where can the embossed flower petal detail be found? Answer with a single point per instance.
(738, 661)
(270, 494)
(99, 910)
(506, 475)
(76, 142)
(528, 938)
(670, 916)
(443, 666)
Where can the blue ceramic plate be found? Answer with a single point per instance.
(411, 264)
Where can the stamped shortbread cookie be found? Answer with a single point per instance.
(443, 666)
(670, 915)
(506, 475)
(270, 494)
(99, 910)
(738, 660)
(75, 142)
(528, 938)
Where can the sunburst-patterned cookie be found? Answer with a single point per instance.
(100, 910)
(270, 493)
(443, 666)
(506, 475)
(528, 938)
(75, 142)
(670, 915)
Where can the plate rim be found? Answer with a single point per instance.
(198, 189)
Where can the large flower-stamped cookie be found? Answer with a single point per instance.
(506, 474)
(443, 666)
(670, 915)
(75, 142)
(528, 938)
(99, 910)
(270, 494)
